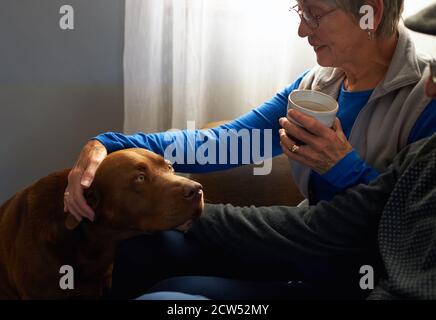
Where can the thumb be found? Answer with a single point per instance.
(89, 173)
(87, 178)
(94, 161)
(337, 127)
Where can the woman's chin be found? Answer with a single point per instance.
(324, 57)
(324, 61)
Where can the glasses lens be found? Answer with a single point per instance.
(308, 18)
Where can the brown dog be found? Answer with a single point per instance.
(135, 191)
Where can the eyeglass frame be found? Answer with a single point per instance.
(312, 21)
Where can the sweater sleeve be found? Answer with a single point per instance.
(342, 233)
(350, 171)
(210, 150)
(322, 236)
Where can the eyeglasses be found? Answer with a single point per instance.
(311, 20)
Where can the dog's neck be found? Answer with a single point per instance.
(96, 241)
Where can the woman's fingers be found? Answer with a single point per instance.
(337, 127)
(293, 155)
(305, 155)
(79, 202)
(309, 123)
(301, 153)
(97, 154)
(89, 174)
(74, 200)
(296, 131)
(324, 146)
(73, 210)
(81, 177)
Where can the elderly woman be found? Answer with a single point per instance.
(379, 82)
(374, 74)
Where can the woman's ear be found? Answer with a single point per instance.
(71, 223)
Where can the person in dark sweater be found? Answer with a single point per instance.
(387, 227)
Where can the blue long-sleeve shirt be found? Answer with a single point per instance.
(350, 171)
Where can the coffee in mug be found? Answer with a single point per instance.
(315, 104)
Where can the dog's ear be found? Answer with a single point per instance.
(71, 223)
(92, 198)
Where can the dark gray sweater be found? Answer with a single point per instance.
(390, 224)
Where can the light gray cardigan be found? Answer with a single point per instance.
(383, 125)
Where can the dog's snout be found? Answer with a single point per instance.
(192, 191)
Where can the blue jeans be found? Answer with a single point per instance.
(172, 262)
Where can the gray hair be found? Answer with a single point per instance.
(393, 10)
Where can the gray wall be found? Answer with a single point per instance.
(57, 88)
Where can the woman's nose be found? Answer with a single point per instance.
(304, 30)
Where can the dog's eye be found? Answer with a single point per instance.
(140, 178)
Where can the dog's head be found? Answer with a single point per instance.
(137, 190)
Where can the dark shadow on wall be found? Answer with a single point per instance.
(57, 88)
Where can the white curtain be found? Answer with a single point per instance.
(206, 60)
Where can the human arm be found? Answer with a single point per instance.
(306, 238)
(264, 117)
(81, 177)
(351, 169)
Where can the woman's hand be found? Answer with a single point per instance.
(324, 147)
(81, 177)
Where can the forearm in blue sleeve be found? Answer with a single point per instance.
(204, 150)
(255, 124)
(353, 170)
(350, 171)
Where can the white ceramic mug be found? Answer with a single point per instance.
(315, 104)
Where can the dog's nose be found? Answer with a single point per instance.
(192, 191)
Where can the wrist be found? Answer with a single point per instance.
(96, 145)
(344, 169)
